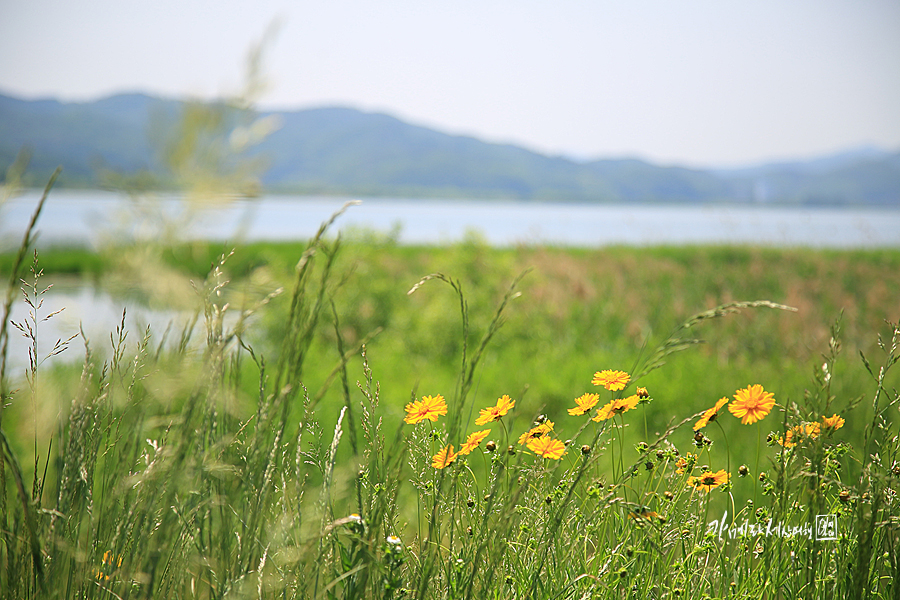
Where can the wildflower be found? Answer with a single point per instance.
(611, 380)
(617, 406)
(642, 393)
(833, 422)
(685, 463)
(547, 447)
(354, 523)
(710, 415)
(493, 413)
(709, 480)
(642, 515)
(444, 458)
(585, 403)
(108, 565)
(787, 440)
(473, 440)
(752, 404)
(536, 432)
(427, 408)
(796, 433)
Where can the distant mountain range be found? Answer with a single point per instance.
(346, 151)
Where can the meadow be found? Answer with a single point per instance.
(352, 418)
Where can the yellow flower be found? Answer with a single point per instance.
(536, 432)
(685, 463)
(427, 408)
(752, 404)
(547, 447)
(643, 515)
(617, 406)
(832, 422)
(108, 565)
(711, 414)
(794, 434)
(709, 480)
(487, 415)
(585, 403)
(444, 457)
(473, 440)
(611, 380)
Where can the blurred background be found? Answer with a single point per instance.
(472, 99)
(647, 160)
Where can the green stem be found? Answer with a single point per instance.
(756, 470)
(728, 466)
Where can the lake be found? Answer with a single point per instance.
(84, 217)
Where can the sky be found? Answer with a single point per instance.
(700, 83)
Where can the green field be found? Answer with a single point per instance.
(211, 467)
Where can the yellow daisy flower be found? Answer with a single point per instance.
(444, 458)
(547, 447)
(643, 515)
(585, 403)
(709, 480)
(752, 404)
(795, 434)
(536, 432)
(108, 565)
(833, 422)
(611, 380)
(427, 408)
(472, 441)
(685, 464)
(617, 406)
(710, 415)
(493, 413)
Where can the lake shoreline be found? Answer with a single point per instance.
(84, 217)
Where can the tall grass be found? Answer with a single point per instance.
(165, 478)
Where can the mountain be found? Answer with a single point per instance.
(345, 151)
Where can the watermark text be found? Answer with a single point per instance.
(825, 528)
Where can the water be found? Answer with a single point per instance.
(83, 309)
(88, 217)
(85, 217)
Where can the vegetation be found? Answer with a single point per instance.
(318, 429)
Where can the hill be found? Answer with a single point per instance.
(338, 150)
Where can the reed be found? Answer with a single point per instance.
(205, 468)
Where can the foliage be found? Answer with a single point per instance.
(238, 467)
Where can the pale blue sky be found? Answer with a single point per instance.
(698, 83)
